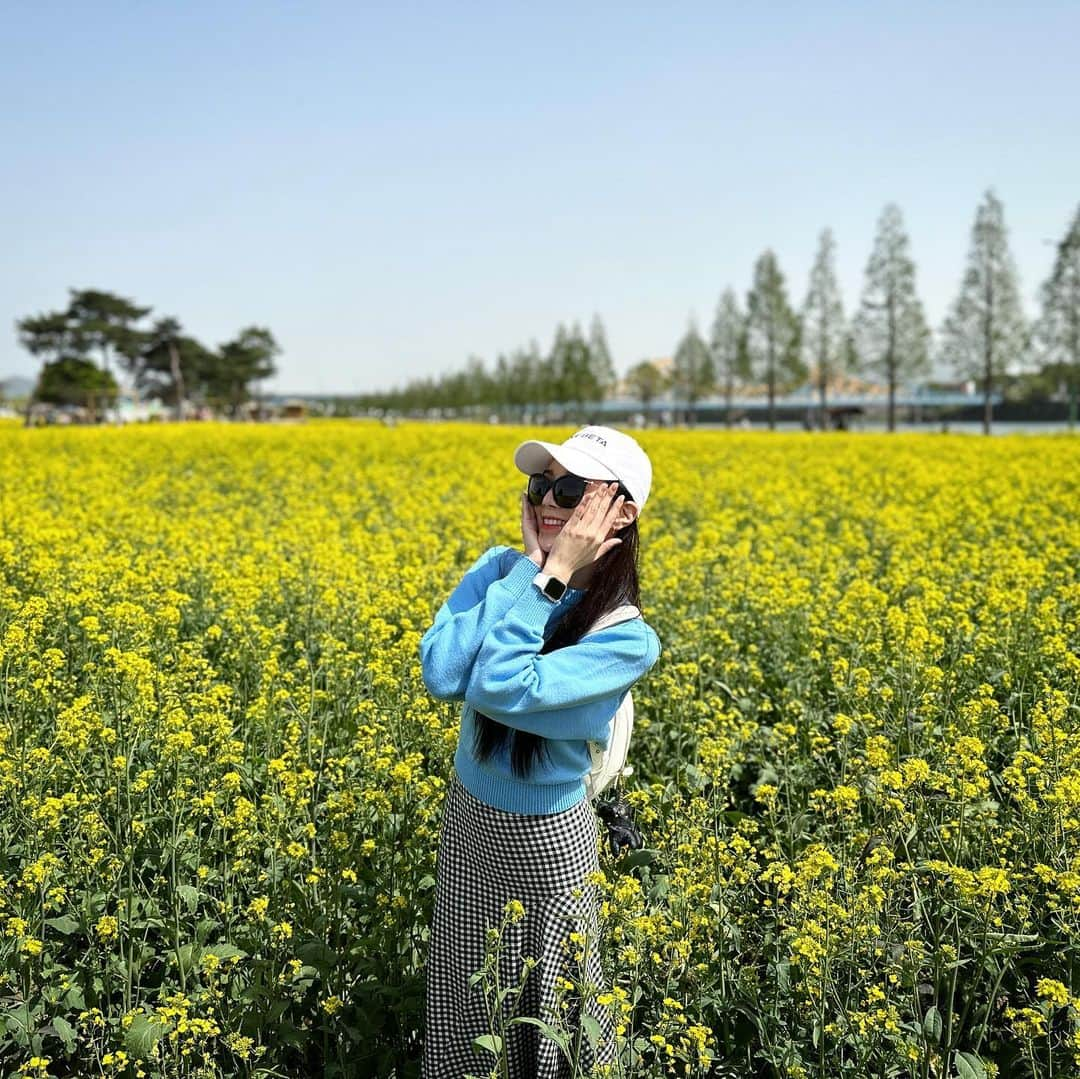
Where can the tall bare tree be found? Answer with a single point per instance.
(823, 338)
(772, 332)
(693, 374)
(728, 344)
(601, 368)
(985, 332)
(891, 337)
(1057, 333)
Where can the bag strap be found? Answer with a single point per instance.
(610, 618)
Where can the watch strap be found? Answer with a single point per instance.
(552, 587)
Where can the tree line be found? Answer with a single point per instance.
(768, 341)
(161, 360)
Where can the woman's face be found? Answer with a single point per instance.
(550, 518)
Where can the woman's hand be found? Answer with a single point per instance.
(529, 532)
(584, 537)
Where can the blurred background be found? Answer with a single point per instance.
(821, 216)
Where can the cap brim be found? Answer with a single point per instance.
(534, 456)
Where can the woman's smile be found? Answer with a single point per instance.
(551, 524)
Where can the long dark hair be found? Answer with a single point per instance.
(614, 581)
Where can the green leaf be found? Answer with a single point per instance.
(189, 895)
(969, 1066)
(187, 955)
(65, 1032)
(206, 928)
(18, 1022)
(561, 1040)
(65, 924)
(644, 856)
(592, 1030)
(931, 1025)
(143, 1035)
(491, 1042)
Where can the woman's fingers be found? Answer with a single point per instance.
(614, 505)
(603, 504)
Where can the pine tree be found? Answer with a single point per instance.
(1057, 333)
(890, 332)
(554, 387)
(772, 332)
(248, 358)
(824, 332)
(504, 384)
(577, 370)
(56, 337)
(105, 320)
(985, 332)
(693, 373)
(728, 346)
(647, 382)
(528, 371)
(600, 363)
(166, 362)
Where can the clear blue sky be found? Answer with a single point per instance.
(392, 187)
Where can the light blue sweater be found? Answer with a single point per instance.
(484, 649)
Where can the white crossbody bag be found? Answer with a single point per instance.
(609, 763)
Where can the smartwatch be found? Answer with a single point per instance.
(552, 587)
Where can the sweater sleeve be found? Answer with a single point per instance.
(560, 694)
(448, 649)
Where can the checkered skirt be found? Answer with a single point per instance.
(486, 857)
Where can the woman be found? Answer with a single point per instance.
(516, 823)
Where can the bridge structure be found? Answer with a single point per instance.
(803, 400)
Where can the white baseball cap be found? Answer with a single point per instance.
(594, 453)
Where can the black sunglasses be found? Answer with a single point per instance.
(567, 490)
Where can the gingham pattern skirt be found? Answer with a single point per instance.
(487, 857)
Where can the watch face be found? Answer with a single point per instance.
(554, 588)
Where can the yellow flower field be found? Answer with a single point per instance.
(857, 762)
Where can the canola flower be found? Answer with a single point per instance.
(857, 764)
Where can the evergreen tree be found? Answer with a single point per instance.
(479, 384)
(504, 384)
(105, 321)
(165, 362)
(75, 380)
(890, 336)
(578, 371)
(728, 346)
(570, 370)
(53, 337)
(824, 331)
(246, 359)
(647, 382)
(554, 380)
(694, 375)
(1058, 330)
(602, 368)
(985, 332)
(773, 332)
(527, 373)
